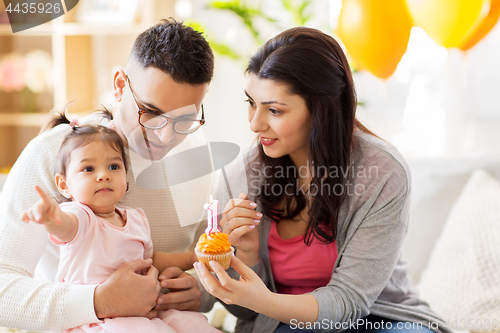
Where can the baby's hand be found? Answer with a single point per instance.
(44, 211)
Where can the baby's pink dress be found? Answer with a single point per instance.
(98, 249)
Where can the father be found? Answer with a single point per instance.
(165, 81)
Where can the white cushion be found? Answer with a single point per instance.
(437, 183)
(462, 279)
(436, 186)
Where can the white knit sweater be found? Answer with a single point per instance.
(35, 302)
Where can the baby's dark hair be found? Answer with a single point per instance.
(81, 136)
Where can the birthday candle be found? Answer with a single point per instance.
(209, 218)
(216, 215)
(212, 216)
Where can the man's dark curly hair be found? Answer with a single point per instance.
(177, 50)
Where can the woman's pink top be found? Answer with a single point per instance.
(298, 268)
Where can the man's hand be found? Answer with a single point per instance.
(184, 292)
(126, 293)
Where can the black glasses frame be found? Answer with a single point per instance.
(167, 118)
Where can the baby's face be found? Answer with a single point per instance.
(96, 176)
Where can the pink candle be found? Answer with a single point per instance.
(212, 216)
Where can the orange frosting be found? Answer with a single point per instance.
(216, 242)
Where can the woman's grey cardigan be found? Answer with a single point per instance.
(369, 276)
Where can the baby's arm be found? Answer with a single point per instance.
(46, 211)
(183, 260)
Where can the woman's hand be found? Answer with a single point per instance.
(240, 221)
(249, 291)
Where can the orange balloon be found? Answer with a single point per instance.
(448, 22)
(375, 35)
(482, 30)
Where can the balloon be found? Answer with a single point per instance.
(448, 22)
(482, 30)
(375, 35)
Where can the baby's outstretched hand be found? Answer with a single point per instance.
(44, 211)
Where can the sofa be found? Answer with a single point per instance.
(452, 242)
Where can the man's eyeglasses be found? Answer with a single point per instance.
(182, 125)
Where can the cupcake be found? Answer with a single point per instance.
(214, 246)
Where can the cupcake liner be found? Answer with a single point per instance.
(222, 258)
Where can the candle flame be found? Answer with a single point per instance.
(211, 199)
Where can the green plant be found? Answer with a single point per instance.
(249, 14)
(245, 12)
(298, 9)
(217, 47)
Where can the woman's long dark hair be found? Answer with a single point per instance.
(313, 66)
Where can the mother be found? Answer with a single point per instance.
(326, 254)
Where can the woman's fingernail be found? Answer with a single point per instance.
(160, 301)
(256, 221)
(259, 214)
(252, 226)
(162, 277)
(253, 204)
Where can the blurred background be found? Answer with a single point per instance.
(426, 73)
(428, 99)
